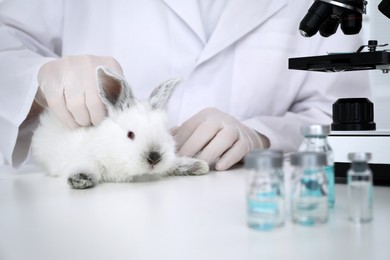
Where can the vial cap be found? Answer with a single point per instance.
(315, 130)
(308, 159)
(263, 158)
(359, 157)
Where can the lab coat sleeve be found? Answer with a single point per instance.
(30, 35)
(317, 91)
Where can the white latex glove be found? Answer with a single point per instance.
(217, 137)
(68, 87)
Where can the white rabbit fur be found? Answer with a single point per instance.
(109, 152)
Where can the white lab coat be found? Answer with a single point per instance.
(242, 69)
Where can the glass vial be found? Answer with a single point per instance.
(360, 188)
(316, 140)
(265, 189)
(309, 198)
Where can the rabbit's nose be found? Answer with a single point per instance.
(153, 158)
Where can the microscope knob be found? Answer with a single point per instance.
(353, 114)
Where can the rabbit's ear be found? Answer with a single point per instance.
(114, 90)
(160, 95)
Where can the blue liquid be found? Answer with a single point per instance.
(265, 212)
(310, 199)
(310, 211)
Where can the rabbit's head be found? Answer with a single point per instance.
(135, 136)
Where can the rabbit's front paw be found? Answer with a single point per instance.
(199, 167)
(190, 166)
(82, 181)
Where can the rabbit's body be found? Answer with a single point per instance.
(132, 143)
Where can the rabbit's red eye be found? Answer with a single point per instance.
(130, 135)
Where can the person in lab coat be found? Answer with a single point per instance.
(238, 93)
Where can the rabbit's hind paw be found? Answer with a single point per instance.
(82, 181)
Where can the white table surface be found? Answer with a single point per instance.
(201, 217)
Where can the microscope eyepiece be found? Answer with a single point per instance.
(315, 17)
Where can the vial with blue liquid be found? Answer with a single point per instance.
(309, 197)
(265, 190)
(316, 140)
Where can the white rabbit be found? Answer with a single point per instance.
(133, 143)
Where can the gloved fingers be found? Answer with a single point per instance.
(220, 144)
(202, 135)
(96, 108)
(40, 98)
(173, 131)
(75, 102)
(233, 155)
(256, 139)
(57, 105)
(187, 129)
(71, 86)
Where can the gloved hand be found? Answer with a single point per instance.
(68, 87)
(217, 137)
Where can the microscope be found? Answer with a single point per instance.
(353, 127)
(325, 16)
